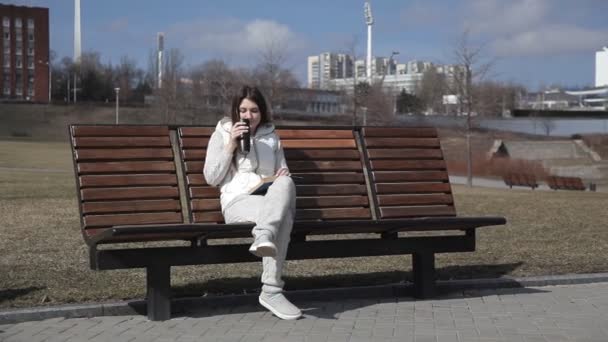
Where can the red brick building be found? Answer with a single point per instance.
(24, 61)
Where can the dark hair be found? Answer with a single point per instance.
(253, 94)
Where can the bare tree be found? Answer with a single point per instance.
(169, 95)
(351, 50)
(471, 67)
(213, 84)
(272, 73)
(431, 89)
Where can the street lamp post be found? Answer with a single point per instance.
(117, 90)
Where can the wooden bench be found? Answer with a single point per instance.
(520, 179)
(565, 183)
(145, 183)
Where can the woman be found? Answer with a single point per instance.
(236, 172)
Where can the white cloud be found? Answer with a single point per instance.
(504, 17)
(425, 13)
(235, 37)
(532, 27)
(549, 40)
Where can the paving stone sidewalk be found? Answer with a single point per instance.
(551, 313)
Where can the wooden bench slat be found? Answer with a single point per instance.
(402, 142)
(195, 179)
(336, 190)
(320, 144)
(123, 154)
(133, 131)
(92, 221)
(403, 212)
(425, 199)
(127, 180)
(294, 155)
(194, 154)
(408, 153)
(403, 165)
(196, 131)
(409, 176)
(329, 178)
(301, 166)
(93, 233)
(332, 201)
(391, 132)
(286, 134)
(96, 194)
(208, 216)
(187, 143)
(206, 204)
(126, 167)
(329, 214)
(204, 192)
(127, 141)
(412, 188)
(130, 206)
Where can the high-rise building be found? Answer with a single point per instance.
(313, 72)
(24, 61)
(601, 68)
(326, 67)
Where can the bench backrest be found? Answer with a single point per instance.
(332, 184)
(129, 175)
(126, 175)
(408, 176)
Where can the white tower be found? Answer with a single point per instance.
(369, 20)
(601, 68)
(160, 48)
(77, 41)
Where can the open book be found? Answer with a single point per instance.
(262, 186)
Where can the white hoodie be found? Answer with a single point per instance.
(236, 176)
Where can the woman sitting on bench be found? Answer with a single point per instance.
(244, 149)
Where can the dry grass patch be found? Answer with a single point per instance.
(25, 153)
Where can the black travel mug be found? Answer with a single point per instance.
(245, 142)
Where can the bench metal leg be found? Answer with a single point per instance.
(159, 292)
(423, 265)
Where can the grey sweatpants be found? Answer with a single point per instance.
(273, 214)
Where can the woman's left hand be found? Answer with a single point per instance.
(282, 172)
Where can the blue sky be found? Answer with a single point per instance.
(534, 42)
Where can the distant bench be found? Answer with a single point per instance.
(145, 183)
(512, 179)
(565, 183)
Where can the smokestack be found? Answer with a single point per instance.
(77, 40)
(160, 48)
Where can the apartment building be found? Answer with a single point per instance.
(24, 61)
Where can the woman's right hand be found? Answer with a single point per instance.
(238, 129)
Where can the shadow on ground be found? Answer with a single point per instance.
(251, 285)
(11, 294)
(329, 296)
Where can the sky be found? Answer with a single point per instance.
(536, 43)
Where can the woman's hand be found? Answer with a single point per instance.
(238, 129)
(282, 172)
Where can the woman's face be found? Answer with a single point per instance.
(249, 110)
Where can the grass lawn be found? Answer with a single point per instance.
(43, 258)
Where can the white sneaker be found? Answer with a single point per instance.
(280, 306)
(263, 247)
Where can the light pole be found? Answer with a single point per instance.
(117, 90)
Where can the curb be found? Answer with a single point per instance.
(183, 305)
